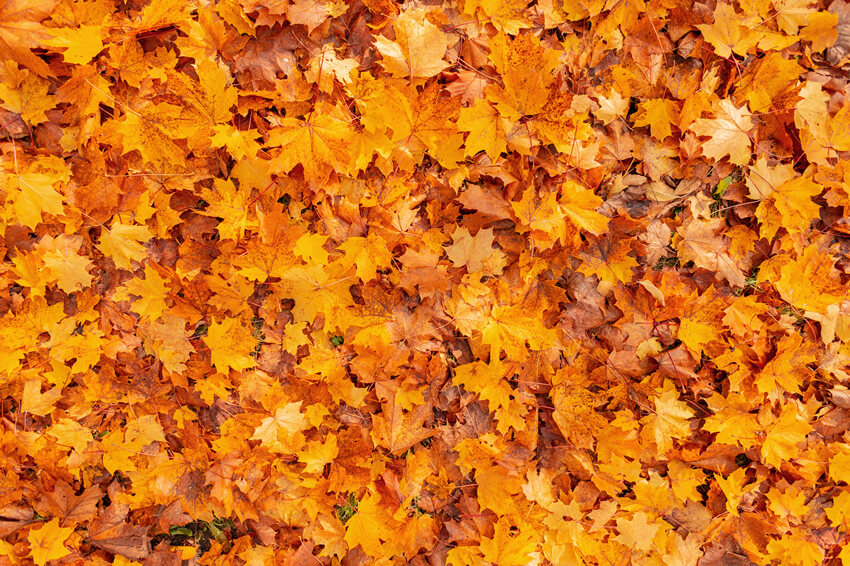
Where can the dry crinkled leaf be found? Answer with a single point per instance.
(72, 508)
(112, 533)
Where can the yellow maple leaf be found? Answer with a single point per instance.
(612, 107)
(771, 78)
(726, 34)
(508, 16)
(732, 487)
(670, 419)
(368, 255)
(658, 114)
(64, 264)
(511, 327)
(319, 143)
(153, 131)
(151, 292)
(317, 454)
(485, 127)
(509, 548)
(789, 206)
(487, 380)
(579, 204)
(81, 44)
(783, 436)
(231, 344)
(418, 49)
(123, 243)
(795, 549)
(276, 432)
(48, 542)
(475, 252)
(369, 526)
(398, 431)
(637, 532)
(167, 339)
(839, 513)
(309, 248)
(38, 403)
(728, 133)
(526, 68)
(26, 94)
(33, 195)
(231, 204)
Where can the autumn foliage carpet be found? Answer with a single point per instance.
(481, 282)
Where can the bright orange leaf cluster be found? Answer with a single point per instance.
(474, 282)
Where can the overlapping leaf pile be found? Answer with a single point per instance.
(299, 282)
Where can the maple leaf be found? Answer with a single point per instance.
(312, 14)
(27, 94)
(608, 259)
(368, 255)
(506, 547)
(788, 205)
(211, 97)
(231, 344)
(112, 533)
(783, 436)
(611, 107)
(151, 290)
(636, 532)
(726, 34)
(319, 143)
(701, 243)
(275, 431)
(670, 420)
(426, 118)
(526, 68)
(369, 526)
(771, 79)
(397, 430)
(318, 454)
(123, 243)
(476, 253)
(48, 542)
(507, 15)
(488, 381)
(419, 47)
(153, 131)
(36, 402)
(65, 265)
(511, 328)
(728, 133)
(485, 127)
(71, 507)
(35, 195)
(81, 44)
(167, 338)
(231, 204)
(658, 114)
(21, 31)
